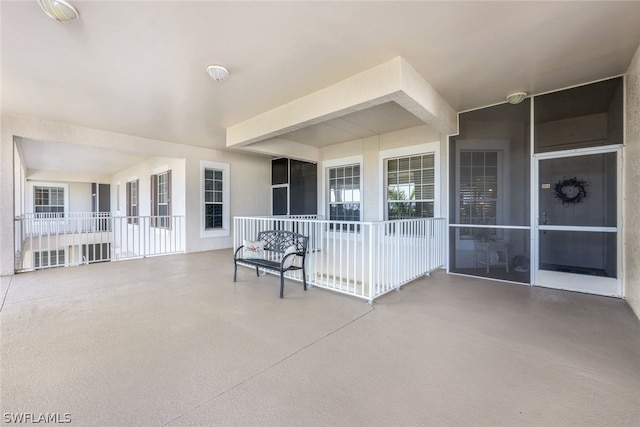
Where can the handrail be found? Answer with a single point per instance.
(46, 240)
(365, 259)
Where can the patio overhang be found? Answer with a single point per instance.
(393, 81)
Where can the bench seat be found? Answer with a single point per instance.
(276, 243)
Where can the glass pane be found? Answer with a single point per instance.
(491, 162)
(279, 171)
(428, 161)
(488, 252)
(415, 163)
(579, 252)
(279, 197)
(465, 158)
(579, 191)
(585, 116)
(393, 178)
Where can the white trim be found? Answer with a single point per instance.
(578, 228)
(132, 178)
(578, 152)
(411, 150)
(504, 227)
(226, 200)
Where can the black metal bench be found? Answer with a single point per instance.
(279, 247)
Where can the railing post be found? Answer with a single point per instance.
(372, 258)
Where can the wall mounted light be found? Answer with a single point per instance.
(59, 10)
(517, 97)
(217, 72)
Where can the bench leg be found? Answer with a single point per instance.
(235, 270)
(257, 272)
(281, 285)
(304, 278)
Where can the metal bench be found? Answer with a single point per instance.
(274, 256)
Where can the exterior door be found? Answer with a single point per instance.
(576, 237)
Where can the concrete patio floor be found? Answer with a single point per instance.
(172, 341)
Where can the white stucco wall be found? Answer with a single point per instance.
(631, 194)
(372, 180)
(250, 176)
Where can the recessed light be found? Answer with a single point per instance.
(217, 72)
(517, 97)
(60, 10)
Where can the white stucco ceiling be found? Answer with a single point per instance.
(139, 68)
(73, 158)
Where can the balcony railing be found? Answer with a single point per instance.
(362, 259)
(57, 240)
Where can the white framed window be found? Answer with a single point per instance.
(482, 190)
(344, 193)
(215, 199)
(478, 195)
(49, 199)
(342, 190)
(132, 201)
(161, 199)
(411, 181)
(410, 187)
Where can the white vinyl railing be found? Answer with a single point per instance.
(362, 259)
(57, 240)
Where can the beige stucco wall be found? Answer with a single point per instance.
(246, 171)
(631, 194)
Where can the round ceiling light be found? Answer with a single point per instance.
(59, 10)
(517, 98)
(217, 72)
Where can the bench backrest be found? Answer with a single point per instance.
(280, 240)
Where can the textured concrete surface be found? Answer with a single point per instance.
(173, 341)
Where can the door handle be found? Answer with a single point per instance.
(543, 220)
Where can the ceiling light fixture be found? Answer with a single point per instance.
(217, 72)
(517, 97)
(59, 10)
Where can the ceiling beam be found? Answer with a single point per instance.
(394, 80)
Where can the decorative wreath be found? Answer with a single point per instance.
(570, 191)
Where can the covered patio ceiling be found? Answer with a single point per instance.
(148, 78)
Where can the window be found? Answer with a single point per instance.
(48, 201)
(48, 259)
(410, 187)
(132, 202)
(161, 200)
(213, 199)
(478, 193)
(344, 193)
